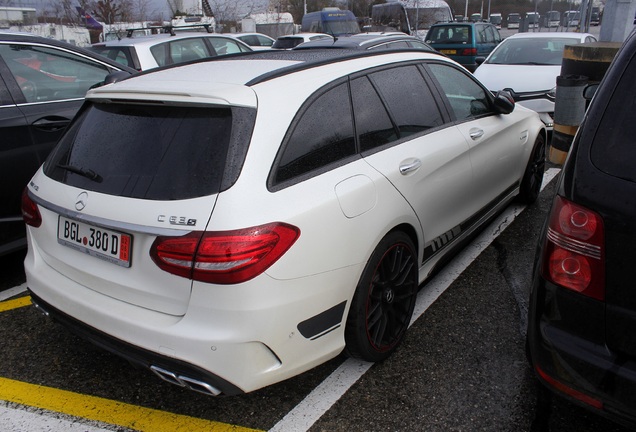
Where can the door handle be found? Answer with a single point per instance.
(51, 123)
(410, 166)
(476, 133)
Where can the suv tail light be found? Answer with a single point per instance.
(468, 52)
(574, 256)
(224, 257)
(30, 212)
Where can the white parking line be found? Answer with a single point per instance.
(310, 409)
(20, 420)
(13, 291)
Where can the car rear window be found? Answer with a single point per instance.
(152, 152)
(450, 34)
(287, 43)
(614, 150)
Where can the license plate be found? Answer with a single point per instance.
(109, 245)
(448, 51)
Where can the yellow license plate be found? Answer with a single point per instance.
(448, 51)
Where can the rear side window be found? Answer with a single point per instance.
(148, 152)
(373, 124)
(321, 136)
(121, 54)
(224, 46)
(188, 49)
(614, 146)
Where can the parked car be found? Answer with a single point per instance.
(582, 315)
(221, 208)
(287, 42)
(370, 40)
(527, 65)
(256, 41)
(464, 42)
(42, 85)
(148, 52)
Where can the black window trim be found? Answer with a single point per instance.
(434, 88)
(443, 111)
(272, 184)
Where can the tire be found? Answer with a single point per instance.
(533, 175)
(384, 299)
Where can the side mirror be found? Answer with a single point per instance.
(479, 60)
(504, 103)
(115, 77)
(112, 77)
(589, 91)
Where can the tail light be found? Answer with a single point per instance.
(468, 52)
(224, 257)
(574, 257)
(30, 212)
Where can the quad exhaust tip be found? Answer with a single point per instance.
(182, 381)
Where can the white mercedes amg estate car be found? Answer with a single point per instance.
(234, 222)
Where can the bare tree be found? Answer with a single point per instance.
(108, 11)
(231, 11)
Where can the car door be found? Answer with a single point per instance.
(496, 142)
(15, 137)
(43, 87)
(403, 134)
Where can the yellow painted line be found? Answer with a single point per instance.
(106, 410)
(15, 303)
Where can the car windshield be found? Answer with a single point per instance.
(531, 51)
(450, 34)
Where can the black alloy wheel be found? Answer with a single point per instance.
(533, 175)
(383, 303)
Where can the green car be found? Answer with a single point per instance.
(464, 42)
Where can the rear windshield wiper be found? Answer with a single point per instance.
(88, 173)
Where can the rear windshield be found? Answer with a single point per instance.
(152, 152)
(450, 34)
(614, 146)
(287, 43)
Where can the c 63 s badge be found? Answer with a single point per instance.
(177, 220)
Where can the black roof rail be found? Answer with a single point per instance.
(169, 28)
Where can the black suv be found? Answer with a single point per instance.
(582, 317)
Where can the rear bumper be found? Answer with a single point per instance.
(185, 375)
(570, 360)
(230, 341)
